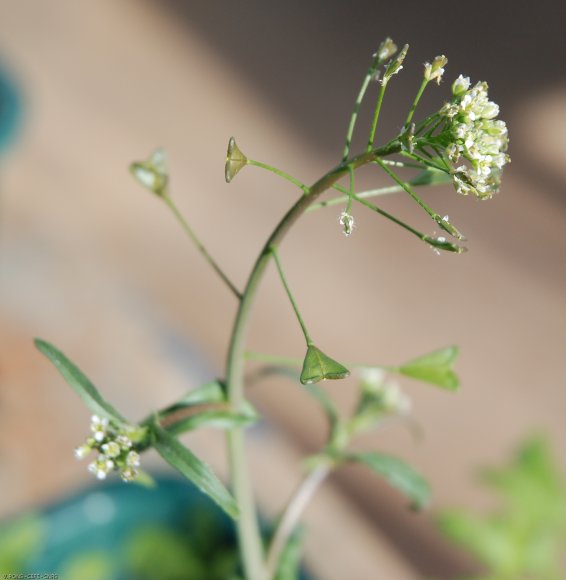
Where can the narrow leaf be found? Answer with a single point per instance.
(79, 382)
(397, 473)
(194, 469)
(434, 368)
(220, 419)
(318, 367)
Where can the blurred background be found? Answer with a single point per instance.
(97, 266)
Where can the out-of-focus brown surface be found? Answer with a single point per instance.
(95, 265)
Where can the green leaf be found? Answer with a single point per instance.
(319, 367)
(434, 368)
(79, 382)
(397, 473)
(525, 536)
(152, 173)
(212, 392)
(431, 177)
(221, 419)
(194, 469)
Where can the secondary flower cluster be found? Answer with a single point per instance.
(115, 450)
(476, 136)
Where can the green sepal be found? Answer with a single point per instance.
(434, 368)
(400, 475)
(235, 160)
(152, 173)
(80, 383)
(193, 468)
(317, 366)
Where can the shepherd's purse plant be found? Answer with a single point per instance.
(462, 143)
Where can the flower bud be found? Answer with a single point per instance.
(460, 85)
(395, 65)
(434, 71)
(152, 173)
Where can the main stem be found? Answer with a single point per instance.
(249, 536)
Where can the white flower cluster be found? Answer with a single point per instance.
(114, 448)
(391, 397)
(475, 136)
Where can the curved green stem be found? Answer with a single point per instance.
(280, 173)
(248, 528)
(200, 246)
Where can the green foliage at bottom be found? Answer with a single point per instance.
(526, 537)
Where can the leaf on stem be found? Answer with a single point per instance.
(205, 406)
(235, 160)
(219, 418)
(397, 473)
(80, 383)
(434, 368)
(194, 469)
(318, 366)
(152, 173)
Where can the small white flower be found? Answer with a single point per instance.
(372, 378)
(128, 474)
(82, 451)
(111, 449)
(101, 467)
(124, 442)
(133, 459)
(98, 426)
(460, 85)
(347, 222)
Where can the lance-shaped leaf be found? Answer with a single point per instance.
(152, 173)
(319, 367)
(434, 368)
(80, 383)
(221, 418)
(235, 160)
(205, 406)
(400, 475)
(194, 469)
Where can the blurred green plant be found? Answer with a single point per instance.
(525, 538)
